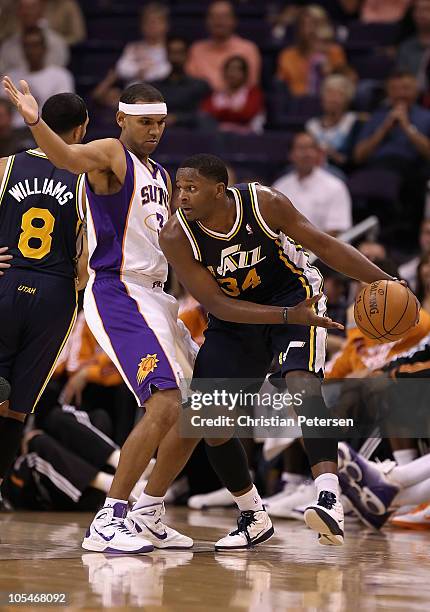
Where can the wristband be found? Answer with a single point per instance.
(285, 314)
(35, 123)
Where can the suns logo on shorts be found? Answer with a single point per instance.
(146, 366)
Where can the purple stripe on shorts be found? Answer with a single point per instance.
(109, 215)
(133, 341)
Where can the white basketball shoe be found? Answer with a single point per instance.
(147, 525)
(253, 527)
(108, 533)
(326, 517)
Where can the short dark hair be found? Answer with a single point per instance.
(141, 91)
(237, 58)
(209, 166)
(7, 105)
(177, 38)
(399, 73)
(64, 112)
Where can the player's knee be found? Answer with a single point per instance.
(11, 430)
(303, 382)
(164, 408)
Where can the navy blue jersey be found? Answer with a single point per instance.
(40, 214)
(252, 262)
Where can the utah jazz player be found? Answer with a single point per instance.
(41, 214)
(244, 242)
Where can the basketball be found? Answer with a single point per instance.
(385, 310)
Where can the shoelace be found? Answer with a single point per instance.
(119, 524)
(245, 520)
(327, 499)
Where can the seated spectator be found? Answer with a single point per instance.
(319, 195)
(411, 52)
(44, 80)
(397, 139)
(65, 17)
(337, 128)
(69, 465)
(30, 15)
(183, 94)
(303, 65)
(12, 140)
(408, 271)
(207, 57)
(423, 282)
(383, 11)
(146, 59)
(238, 107)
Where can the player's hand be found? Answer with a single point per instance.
(304, 314)
(72, 392)
(4, 258)
(23, 100)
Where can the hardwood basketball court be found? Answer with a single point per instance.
(390, 570)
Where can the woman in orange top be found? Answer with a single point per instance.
(303, 65)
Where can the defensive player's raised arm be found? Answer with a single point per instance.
(102, 155)
(280, 214)
(204, 288)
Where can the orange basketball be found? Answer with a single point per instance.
(385, 310)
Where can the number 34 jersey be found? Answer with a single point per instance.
(252, 262)
(40, 214)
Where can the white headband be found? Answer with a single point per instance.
(143, 109)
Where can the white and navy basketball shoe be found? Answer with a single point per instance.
(326, 517)
(108, 533)
(253, 527)
(146, 524)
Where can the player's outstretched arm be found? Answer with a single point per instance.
(279, 213)
(106, 154)
(204, 288)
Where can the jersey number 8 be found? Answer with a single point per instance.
(43, 233)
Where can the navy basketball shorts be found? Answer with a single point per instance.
(37, 313)
(234, 350)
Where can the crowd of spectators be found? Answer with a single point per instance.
(343, 86)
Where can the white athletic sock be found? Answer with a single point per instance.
(417, 494)
(111, 501)
(249, 501)
(411, 473)
(327, 482)
(113, 459)
(405, 455)
(102, 481)
(147, 500)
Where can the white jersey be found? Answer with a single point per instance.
(123, 228)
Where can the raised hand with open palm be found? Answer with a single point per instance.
(24, 101)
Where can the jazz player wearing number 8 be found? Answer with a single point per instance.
(41, 217)
(246, 242)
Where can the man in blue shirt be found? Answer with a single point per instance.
(397, 138)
